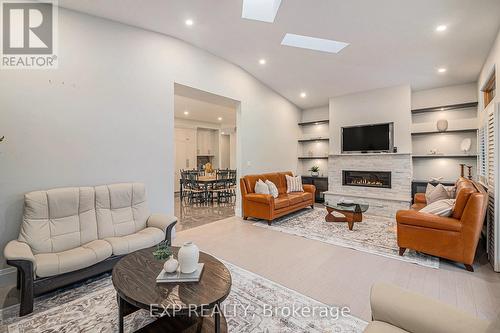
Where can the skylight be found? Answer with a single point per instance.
(312, 43)
(260, 10)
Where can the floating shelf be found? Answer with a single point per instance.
(465, 130)
(313, 157)
(311, 140)
(446, 107)
(317, 122)
(446, 156)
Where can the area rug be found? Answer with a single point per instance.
(91, 307)
(376, 235)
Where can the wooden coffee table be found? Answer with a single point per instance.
(352, 213)
(134, 278)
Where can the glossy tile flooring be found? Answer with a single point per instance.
(191, 215)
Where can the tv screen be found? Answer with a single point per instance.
(368, 138)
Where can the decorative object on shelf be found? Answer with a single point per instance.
(208, 168)
(433, 151)
(462, 170)
(465, 145)
(162, 251)
(189, 255)
(314, 171)
(2, 138)
(442, 125)
(171, 264)
(469, 170)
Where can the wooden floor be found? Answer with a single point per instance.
(341, 276)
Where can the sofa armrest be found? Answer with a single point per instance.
(418, 314)
(163, 222)
(426, 220)
(309, 188)
(420, 198)
(16, 250)
(260, 198)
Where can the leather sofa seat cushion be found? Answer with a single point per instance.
(142, 239)
(306, 196)
(281, 202)
(121, 209)
(295, 198)
(381, 327)
(59, 219)
(49, 264)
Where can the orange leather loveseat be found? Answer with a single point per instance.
(264, 206)
(453, 237)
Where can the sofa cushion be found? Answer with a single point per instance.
(381, 327)
(435, 193)
(294, 184)
(49, 264)
(58, 220)
(441, 207)
(261, 187)
(295, 198)
(281, 201)
(140, 240)
(273, 190)
(121, 209)
(306, 196)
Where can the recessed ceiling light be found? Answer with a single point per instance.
(260, 10)
(189, 22)
(262, 61)
(219, 119)
(441, 28)
(186, 113)
(313, 43)
(442, 70)
(303, 95)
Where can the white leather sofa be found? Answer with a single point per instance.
(70, 234)
(395, 310)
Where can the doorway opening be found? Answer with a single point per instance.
(205, 181)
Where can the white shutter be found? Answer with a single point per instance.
(493, 227)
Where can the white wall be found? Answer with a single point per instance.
(458, 94)
(106, 115)
(369, 107)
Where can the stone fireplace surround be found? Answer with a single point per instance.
(382, 201)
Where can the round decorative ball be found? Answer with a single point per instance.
(188, 255)
(442, 125)
(171, 265)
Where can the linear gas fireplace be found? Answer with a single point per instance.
(380, 179)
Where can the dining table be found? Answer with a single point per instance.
(205, 181)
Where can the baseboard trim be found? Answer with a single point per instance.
(7, 276)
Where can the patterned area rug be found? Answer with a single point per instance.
(376, 235)
(92, 307)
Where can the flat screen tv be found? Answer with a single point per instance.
(375, 138)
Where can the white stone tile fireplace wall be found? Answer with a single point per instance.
(382, 201)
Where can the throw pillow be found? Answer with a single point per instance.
(452, 191)
(441, 207)
(261, 187)
(435, 193)
(273, 190)
(294, 184)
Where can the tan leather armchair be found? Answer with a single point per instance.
(453, 237)
(398, 310)
(264, 206)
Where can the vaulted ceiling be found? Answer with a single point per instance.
(391, 41)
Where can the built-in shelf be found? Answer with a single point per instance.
(313, 157)
(317, 122)
(465, 130)
(312, 140)
(446, 156)
(446, 107)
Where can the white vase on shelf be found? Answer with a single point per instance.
(189, 254)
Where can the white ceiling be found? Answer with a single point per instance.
(391, 41)
(203, 106)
